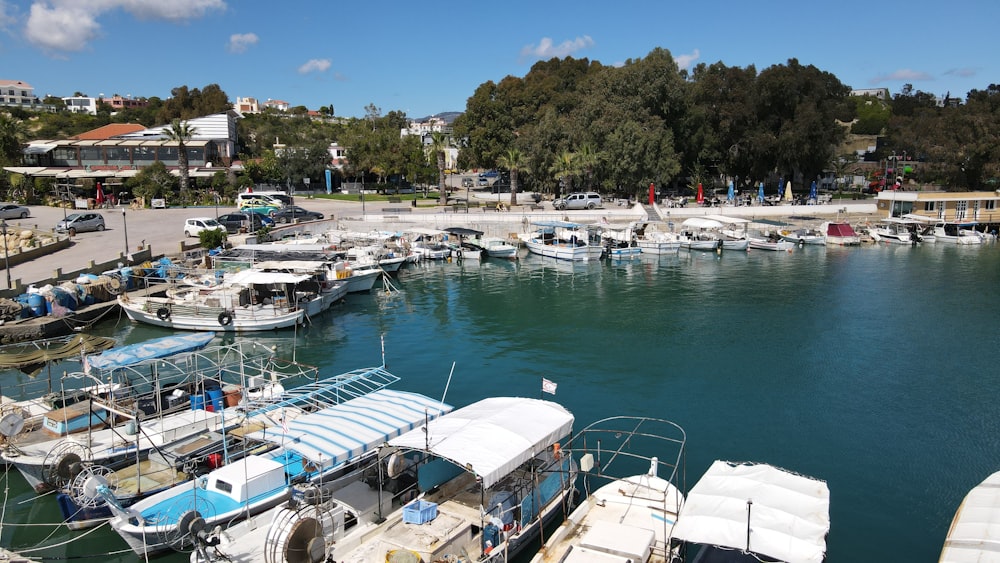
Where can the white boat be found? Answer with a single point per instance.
(374, 257)
(733, 230)
(975, 528)
(804, 236)
(564, 241)
(316, 259)
(654, 237)
(924, 226)
(464, 247)
(767, 240)
(841, 234)
(958, 232)
(323, 447)
(896, 230)
(496, 247)
(429, 243)
(619, 241)
(757, 510)
(625, 516)
(699, 233)
(488, 476)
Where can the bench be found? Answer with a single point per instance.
(395, 210)
(394, 200)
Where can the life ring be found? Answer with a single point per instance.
(163, 313)
(225, 318)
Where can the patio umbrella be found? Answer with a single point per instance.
(812, 190)
(781, 182)
(760, 193)
(701, 194)
(788, 191)
(99, 199)
(652, 193)
(731, 195)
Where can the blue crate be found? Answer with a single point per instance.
(419, 512)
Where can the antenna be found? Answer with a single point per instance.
(448, 384)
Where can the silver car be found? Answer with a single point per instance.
(13, 211)
(81, 222)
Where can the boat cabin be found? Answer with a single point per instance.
(251, 477)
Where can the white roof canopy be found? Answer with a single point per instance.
(789, 515)
(257, 276)
(974, 535)
(701, 223)
(344, 432)
(494, 436)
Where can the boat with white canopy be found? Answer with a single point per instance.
(975, 529)
(563, 240)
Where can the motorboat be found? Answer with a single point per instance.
(322, 447)
(496, 247)
(961, 232)
(317, 260)
(463, 248)
(655, 237)
(756, 510)
(699, 233)
(429, 243)
(841, 234)
(768, 240)
(620, 241)
(804, 236)
(924, 226)
(563, 240)
(896, 230)
(624, 516)
(733, 230)
(972, 534)
(487, 477)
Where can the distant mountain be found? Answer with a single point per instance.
(448, 116)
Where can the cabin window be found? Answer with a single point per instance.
(224, 486)
(930, 206)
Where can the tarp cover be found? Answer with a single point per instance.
(494, 436)
(343, 432)
(975, 532)
(150, 350)
(840, 230)
(789, 514)
(261, 277)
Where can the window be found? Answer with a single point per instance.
(930, 205)
(91, 155)
(167, 155)
(990, 205)
(117, 155)
(961, 208)
(144, 154)
(223, 486)
(196, 156)
(64, 156)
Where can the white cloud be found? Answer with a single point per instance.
(315, 65)
(546, 49)
(6, 19)
(240, 42)
(68, 25)
(685, 61)
(962, 72)
(901, 75)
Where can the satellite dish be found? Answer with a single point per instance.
(11, 424)
(395, 465)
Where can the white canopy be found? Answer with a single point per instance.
(789, 515)
(728, 220)
(701, 223)
(974, 535)
(257, 276)
(343, 432)
(494, 436)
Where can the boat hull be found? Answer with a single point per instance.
(148, 311)
(565, 251)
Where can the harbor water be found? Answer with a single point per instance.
(872, 368)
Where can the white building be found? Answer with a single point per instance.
(17, 93)
(279, 105)
(81, 104)
(246, 105)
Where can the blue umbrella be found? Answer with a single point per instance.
(760, 193)
(781, 185)
(731, 195)
(812, 190)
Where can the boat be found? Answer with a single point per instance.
(804, 236)
(429, 243)
(972, 535)
(924, 226)
(767, 240)
(563, 240)
(699, 233)
(754, 512)
(323, 447)
(841, 234)
(896, 230)
(488, 476)
(465, 249)
(654, 237)
(734, 231)
(619, 241)
(496, 247)
(962, 232)
(625, 516)
(318, 260)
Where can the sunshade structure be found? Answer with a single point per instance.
(974, 535)
(492, 437)
(758, 509)
(463, 232)
(701, 223)
(246, 277)
(788, 191)
(343, 432)
(149, 350)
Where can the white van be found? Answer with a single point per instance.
(279, 199)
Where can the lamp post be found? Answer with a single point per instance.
(6, 254)
(125, 224)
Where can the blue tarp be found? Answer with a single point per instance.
(151, 349)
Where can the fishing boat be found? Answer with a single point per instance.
(564, 241)
(655, 237)
(841, 234)
(487, 477)
(699, 233)
(429, 243)
(972, 534)
(464, 247)
(767, 240)
(804, 236)
(754, 512)
(625, 516)
(495, 247)
(318, 260)
(734, 231)
(619, 241)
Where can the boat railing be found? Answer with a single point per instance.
(327, 392)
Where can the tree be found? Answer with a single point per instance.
(153, 181)
(564, 168)
(439, 143)
(12, 134)
(513, 161)
(180, 132)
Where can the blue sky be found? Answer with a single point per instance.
(428, 57)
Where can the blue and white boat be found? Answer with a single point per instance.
(326, 447)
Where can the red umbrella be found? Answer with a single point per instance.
(701, 194)
(652, 194)
(100, 195)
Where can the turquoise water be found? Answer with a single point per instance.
(871, 368)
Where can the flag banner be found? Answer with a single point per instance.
(548, 386)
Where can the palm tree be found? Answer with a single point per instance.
(512, 160)
(564, 168)
(439, 143)
(587, 160)
(180, 132)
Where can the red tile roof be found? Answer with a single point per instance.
(109, 131)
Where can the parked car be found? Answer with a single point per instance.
(483, 181)
(588, 200)
(13, 211)
(81, 222)
(194, 226)
(291, 213)
(256, 204)
(242, 221)
(467, 182)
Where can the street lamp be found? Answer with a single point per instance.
(6, 254)
(125, 223)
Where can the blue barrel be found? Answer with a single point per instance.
(37, 304)
(214, 398)
(197, 402)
